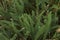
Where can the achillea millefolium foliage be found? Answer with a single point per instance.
(29, 19)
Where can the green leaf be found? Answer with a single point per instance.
(2, 37)
(44, 28)
(14, 37)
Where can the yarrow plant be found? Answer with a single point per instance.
(29, 20)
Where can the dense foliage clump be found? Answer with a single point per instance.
(29, 19)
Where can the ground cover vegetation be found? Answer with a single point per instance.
(29, 19)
